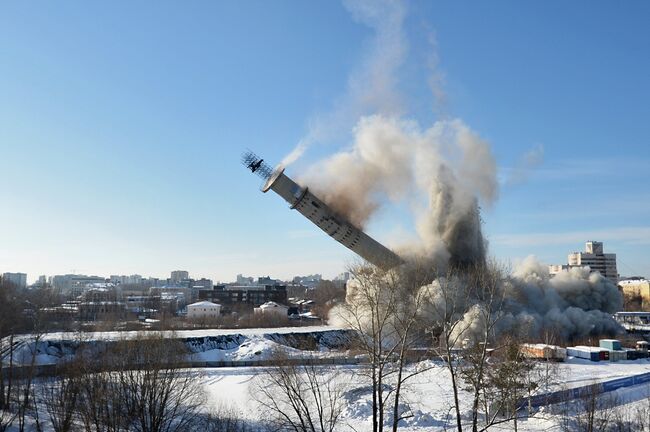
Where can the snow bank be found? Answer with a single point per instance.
(203, 345)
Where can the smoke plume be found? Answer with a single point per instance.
(527, 302)
(572, 304)
(444, 173)
(372, 86)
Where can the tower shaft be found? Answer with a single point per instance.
(341, 230)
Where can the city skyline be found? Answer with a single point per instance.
(173, 276)
(185, 275)
(120, 139)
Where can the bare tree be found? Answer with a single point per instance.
(60, 396)
(300, 398)
(444, 307)
(139, 386)
(509, 379)
(593, 410)
(224, 419)
(160, 396)
(8, 411)
(384, 308)
(16, 389)
(626, 420)
(10, 324)
(101, 407)
(24, 384)
(326, 295)
(464, 308)
(484, 283)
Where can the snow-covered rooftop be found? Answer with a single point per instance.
(270, 305)
(204, 303)
(633, 282)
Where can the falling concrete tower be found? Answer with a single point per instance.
(337, 227)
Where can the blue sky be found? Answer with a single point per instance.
(122, 124)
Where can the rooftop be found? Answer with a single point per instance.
(204, 304)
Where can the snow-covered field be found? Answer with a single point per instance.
(576, 372)
(428, 395)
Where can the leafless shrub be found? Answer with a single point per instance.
(641, 415)
(508, 381)
(592, 411)
(139, 386)
(300, 398)
(624, 420)
(60, 396)
(224, 419)
(385, 308)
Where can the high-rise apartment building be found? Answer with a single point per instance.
(19, 280)
(242, 280)
(594, 258)
(179, 275)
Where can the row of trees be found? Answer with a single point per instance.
(18, 307)
(136, 384)
(402, 312)
(401, 315)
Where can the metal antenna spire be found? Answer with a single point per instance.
(257, 165)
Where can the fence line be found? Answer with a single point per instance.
(538, 401)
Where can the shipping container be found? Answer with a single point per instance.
(610, 344)
(543, 352)
(588, 353)
(632, 354)
(617, 355)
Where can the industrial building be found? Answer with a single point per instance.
(233, 297)
(74, 284)
(101, 310)
(594, 258)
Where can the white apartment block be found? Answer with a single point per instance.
(203, 310)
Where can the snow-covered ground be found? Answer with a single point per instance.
(260, 347)
(428, 395)
(204, 345)
(117, 335)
